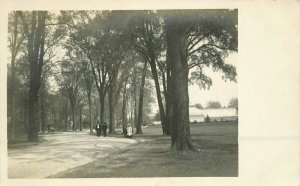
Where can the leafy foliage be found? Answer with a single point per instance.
(213, 104)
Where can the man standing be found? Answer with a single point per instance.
(104, 129)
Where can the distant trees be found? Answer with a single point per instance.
(199, 106)
(214, 104)
(233, 103)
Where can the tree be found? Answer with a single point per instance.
(147, 39)
(35, 36)
(16, 38)
(195, 38)
(233, 103)
(102, 45)
(176, 34)
(88, 79)
(70, 83)
(198, 106)
(141, 101)
(214, 104)
(210, 36)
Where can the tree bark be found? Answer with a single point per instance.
(168, 98)
(124, 107)
(111, 108)
(176, 33)
(35, 37)
(13, 76)
(102, 98)
(90, 113)
(158, 94)
(43, 112)
(135, 114)
(80, 117)
(141, 101)
(73, 116)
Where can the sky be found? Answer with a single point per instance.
(219, 91)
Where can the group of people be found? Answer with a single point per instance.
(101, 129)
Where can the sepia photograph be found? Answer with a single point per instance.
(149, 92)
(122, 93)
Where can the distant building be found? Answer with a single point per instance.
(220, 114)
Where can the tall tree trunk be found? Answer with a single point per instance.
(55, 119)
(43, 112)
(35, 37)
(15, 45)
(25, 118)
(124, 107)
(141, 102)
(80, 117)
(111, 109)
(65, 115)
(90, 113)
(176, 33)
(12, 106)
(73, 116)
(134, 110)
(13, 79)
(158, 94)
(168, 98)
(33, 115)
(102, 98)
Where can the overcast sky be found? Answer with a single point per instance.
(219, 91)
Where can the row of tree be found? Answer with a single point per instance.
(102, 59)
(233, 103)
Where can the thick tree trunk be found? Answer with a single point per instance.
(181, 140)
(43, 112)
(102, 98)
(141, 101)
(33, 45)
(64, 115)
(33, 114)
(158, 94)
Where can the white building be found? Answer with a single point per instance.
(220, 114)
